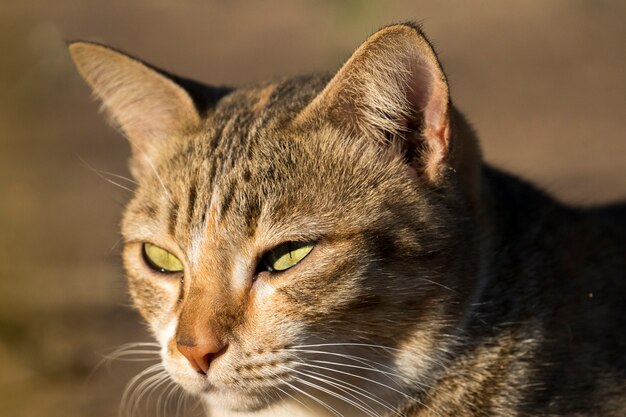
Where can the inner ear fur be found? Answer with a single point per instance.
(393, 89)
(148, 106)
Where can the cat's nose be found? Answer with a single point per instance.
(201, 352)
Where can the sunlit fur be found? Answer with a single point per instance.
(437, 286)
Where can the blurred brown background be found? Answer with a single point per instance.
(543, 82)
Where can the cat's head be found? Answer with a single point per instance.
(300, 238)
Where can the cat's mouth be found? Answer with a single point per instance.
(239, 380)
(233, 392)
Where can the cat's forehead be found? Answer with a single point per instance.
(248, 170)
(245, 163)
(245, 123)
(266, 103)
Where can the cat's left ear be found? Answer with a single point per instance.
(392, 89)
(148, 106)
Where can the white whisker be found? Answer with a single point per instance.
(151, 165)
(142, 389)
(439, 284)
(152, 354)
(121, 177)
(117, 242)
(340, 386)
(292, 397)
(369, 364)
(353, 388)
(162, 401)
(369, 345)
(164, 378)
(359, 377)
(317, 400)
(102, 174)
(128, 394)
(359, 359)
(388, 374)
(403, 394)
(127, 349)
(336, 395)
(180, 401)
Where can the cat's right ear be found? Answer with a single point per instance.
(148, 106)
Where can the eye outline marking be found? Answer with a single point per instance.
(154, 267)
(265, 265)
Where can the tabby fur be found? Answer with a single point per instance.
(438, 286)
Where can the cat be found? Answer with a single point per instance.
(335, 245)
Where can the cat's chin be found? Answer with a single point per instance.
(236, 401)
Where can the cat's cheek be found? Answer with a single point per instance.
(153, 295)
(262, 291)
(155, 301)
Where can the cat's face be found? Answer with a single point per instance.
(367, 279)
(279, 252)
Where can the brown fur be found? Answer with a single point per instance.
(454, 288)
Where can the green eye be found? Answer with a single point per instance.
(161, 260)
(287, 255)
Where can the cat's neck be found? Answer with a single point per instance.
(536, 265)
(515, 223)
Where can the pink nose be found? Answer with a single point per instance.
(200, 353)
